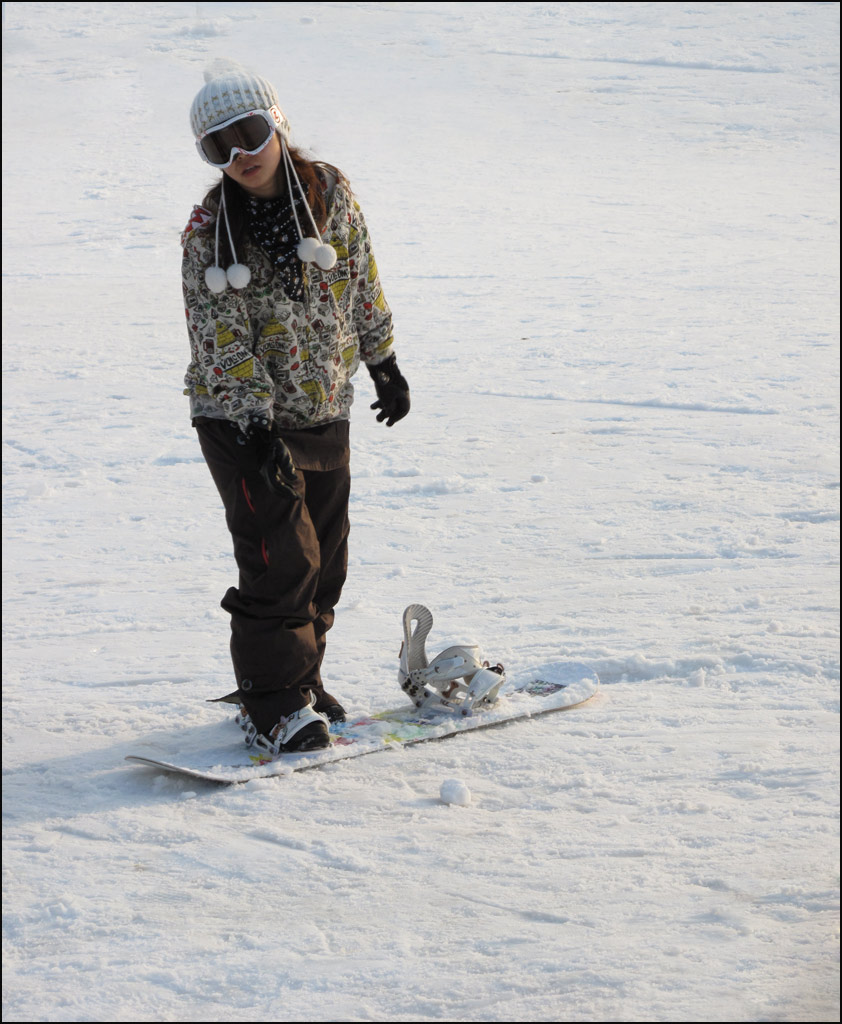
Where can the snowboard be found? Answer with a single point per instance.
(218, 753)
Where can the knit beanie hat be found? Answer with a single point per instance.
(230, 90)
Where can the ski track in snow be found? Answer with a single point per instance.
(609, 237)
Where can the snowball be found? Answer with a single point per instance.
(453, 791)
(239, 275)
(216, 279)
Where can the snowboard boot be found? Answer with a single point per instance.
(327, 705)
(303, 730)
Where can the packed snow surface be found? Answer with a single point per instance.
(608, 233)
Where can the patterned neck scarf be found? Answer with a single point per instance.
(272, 226)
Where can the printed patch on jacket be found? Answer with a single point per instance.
(198, 218)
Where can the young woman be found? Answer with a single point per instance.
(283, 302)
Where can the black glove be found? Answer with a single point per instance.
(392, 391)
(278, 469)
(274, 460)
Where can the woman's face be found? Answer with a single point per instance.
(257, 174)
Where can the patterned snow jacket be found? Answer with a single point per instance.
(255, 349)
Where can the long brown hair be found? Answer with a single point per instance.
(315, 174)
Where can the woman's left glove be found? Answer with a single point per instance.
(392, 391)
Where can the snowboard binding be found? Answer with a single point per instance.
(456, 681)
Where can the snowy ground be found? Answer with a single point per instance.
(609, 236)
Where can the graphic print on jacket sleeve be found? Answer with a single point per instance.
(223, 373)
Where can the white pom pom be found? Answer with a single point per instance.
(215, 279)
(307, 249)
(239, 275)
(223, 67)
(326, 257)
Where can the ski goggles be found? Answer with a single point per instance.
(246, 133)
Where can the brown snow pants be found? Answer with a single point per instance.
(292, 557)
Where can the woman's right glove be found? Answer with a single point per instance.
(392, 391)
(278, 469)
(274, 459)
